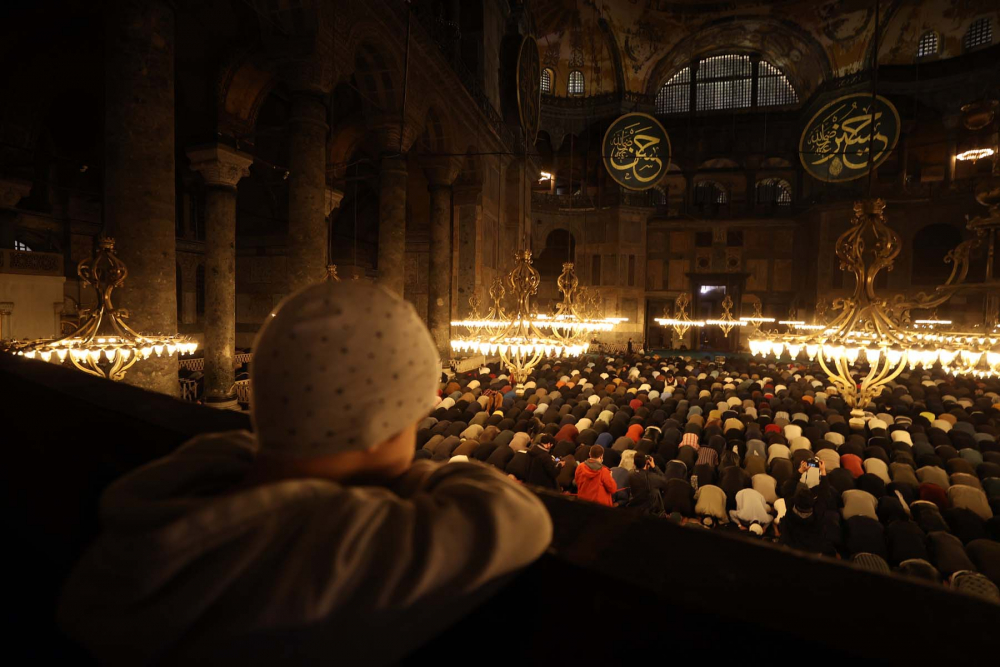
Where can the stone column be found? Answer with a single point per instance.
(331, 203)
(139, 177)
(441, 173)
(6, 308)
(392, 225)
(439, 278)
(469, 221)
(306, 191)
(222, 168)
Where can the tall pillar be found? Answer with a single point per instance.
(392, 225)
(222, 168)
(469, 221)
(439, 278)
(139, 178)
(306, 191)
(441, 173)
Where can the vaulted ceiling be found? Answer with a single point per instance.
(638, 44)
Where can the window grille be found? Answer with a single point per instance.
(980, 33)
(928, 44)
(575, 86)
(675, 94)
(774, 191)
(773, 88)
(724, 82)
(710, 192)
(546, 81)
(20, 245)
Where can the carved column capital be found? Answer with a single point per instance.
(441, 171)
(333, 199)
(220, 165)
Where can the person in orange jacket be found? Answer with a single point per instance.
(593, 480)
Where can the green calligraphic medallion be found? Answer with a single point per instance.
(835, 143)
(636, 151)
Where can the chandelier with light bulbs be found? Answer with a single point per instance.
(878, 331)
(103, 344)
(727, 322)
(521, 337)
(680, 322)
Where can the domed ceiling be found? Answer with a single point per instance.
(638, 44)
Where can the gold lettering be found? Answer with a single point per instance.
(636, 154)
(848, 134)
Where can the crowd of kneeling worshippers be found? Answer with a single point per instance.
(765, 450)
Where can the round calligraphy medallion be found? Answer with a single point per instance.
(835, 142)
(636, 151)
(529, 87)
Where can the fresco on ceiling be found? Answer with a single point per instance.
(809, 39)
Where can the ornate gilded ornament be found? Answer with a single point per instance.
(727, 322)
(835, 143)
(636, 151)
(102, 344)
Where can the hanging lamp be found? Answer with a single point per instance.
(103, 344)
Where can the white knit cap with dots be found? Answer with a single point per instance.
(340, 366)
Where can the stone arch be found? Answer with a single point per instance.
(434, 137)
(787, 46)
(244, 82)
(719, 163)
(376, 78)
(560, 247)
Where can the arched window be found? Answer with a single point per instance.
(548, 76)
(930, 245)
(710, 193)
(726, 82)
(675, 94)
(980, 33)
(774, 192)
(560, 247)
(22, 246)
(575, 83)
(928, 44)
(773, 88)
(199, 285)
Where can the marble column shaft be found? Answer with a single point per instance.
(392, 225)
(439, 278)
(306, 192)
(139, 175)
(222, 168)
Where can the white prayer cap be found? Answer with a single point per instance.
(314, 353)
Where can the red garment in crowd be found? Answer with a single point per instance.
(567, 432)
(594, 482)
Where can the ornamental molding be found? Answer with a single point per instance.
(220, 165)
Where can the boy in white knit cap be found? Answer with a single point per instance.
(315, 538)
